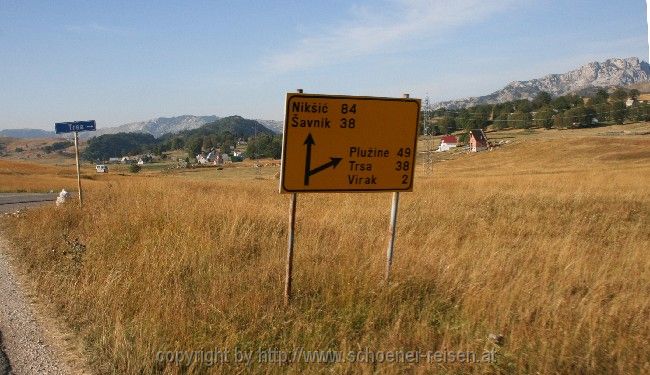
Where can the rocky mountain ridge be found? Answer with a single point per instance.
(609, 73)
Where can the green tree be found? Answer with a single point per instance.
(501, 122)
(544, 117)
(542, 99)
(57, 146)
(601, 96)
(639, 112)
(573, 118)
(177, 143)
(193, 147)
(207, 143)
(474, 117)
(134, 168)
(602, 111)
(619, 112)
(502, 108)
(523, 105)
(264, 146)
(634, 94)
(446, 125)
(115, 145)
(619, 95)
(561, 103)
(578, 117)
(520, 119)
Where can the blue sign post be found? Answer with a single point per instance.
(76, 127)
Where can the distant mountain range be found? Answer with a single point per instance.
(156, 127)
(172, 125)
(610, 73)
(274, 125)
(26, 133)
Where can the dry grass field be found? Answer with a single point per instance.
(544, 242)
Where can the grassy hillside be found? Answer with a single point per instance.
(544, 242)
(235, 125)
(225, 129)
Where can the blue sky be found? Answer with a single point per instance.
(125, 61)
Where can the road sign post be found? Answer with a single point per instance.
(392, 229)
(292, 225)
(335, 143)
(289, 272)
(75, 127)
(76, 156)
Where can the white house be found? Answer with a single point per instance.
(447, 142)
(201, 159)
(629, 102)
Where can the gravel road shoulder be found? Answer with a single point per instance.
(30, 338)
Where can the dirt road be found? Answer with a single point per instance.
(30, 342)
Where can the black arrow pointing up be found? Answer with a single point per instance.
(309, 142)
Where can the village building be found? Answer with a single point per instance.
(477, 140)
(447, 142)
(201, 159)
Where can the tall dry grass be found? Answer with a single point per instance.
(35, 177)
(544, 243)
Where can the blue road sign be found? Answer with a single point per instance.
(74, 126)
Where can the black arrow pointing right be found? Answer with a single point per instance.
(309, 142)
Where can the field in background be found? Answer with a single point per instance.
(544, 241)
(55, 174)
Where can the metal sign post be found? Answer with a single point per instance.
(76, 155)
(392, 229)
(289, 273)
(292, 225)
(76, 127)
(336, 143)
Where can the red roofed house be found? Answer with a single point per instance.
(447, 142)
(477, 140)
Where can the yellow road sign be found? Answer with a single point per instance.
(348, 143)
